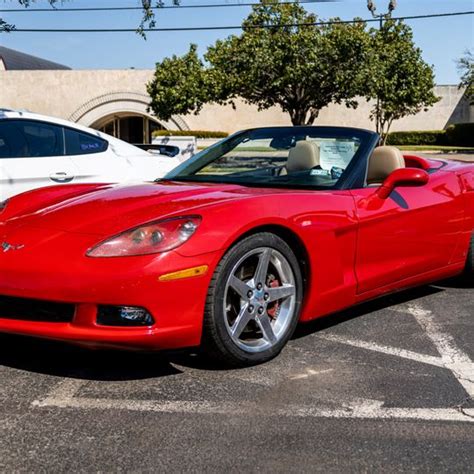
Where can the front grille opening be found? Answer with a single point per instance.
(25, 309)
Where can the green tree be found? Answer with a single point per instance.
(466, 71)
(299, 68)
(178, 85)
(399, 79)
(4, 26)
(273, 62)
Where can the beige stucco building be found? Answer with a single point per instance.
(116, 102)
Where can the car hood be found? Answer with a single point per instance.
(106, 210)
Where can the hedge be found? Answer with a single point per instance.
(459, 134)
(427, 137)
(190, 133)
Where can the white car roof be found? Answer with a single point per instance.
(119, 146)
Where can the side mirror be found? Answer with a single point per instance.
(402, 177)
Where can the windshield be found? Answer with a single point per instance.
(279, 156)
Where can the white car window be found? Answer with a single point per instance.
(79, 143)
(28, 139)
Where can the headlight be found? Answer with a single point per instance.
(154, 237)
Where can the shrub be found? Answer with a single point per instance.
(190, 133)
(460, 134)
(426, 137)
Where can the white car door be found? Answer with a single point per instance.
(100, 158)
(95, 159)
(32, 156)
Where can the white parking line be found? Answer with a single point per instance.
(451, 357)
(63, 397)
(389, 350)
(454, 359)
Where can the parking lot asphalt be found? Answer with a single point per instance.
(384, 386)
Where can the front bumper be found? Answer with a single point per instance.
(93, 336)
(67, 276)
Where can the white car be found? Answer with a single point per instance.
(37, 151)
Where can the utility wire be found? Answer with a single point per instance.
(202, 5)
(248, 27)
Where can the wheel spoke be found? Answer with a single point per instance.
(249, 295)
(239, 286)
(262, 267)
(280, 292)
(266, 328)
(241, 321)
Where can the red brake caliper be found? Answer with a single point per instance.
(274, 309)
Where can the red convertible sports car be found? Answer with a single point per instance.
(230, 250)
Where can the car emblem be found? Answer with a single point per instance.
(6, 246)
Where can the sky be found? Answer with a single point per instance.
(442, 40)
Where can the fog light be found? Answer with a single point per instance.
(123, 316)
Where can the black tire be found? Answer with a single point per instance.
(216, 341)
(470, 257)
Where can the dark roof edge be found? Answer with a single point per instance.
(16, 60)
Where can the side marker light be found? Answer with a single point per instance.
(187, 273)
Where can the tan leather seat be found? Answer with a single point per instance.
(382, 162)
(303, 156)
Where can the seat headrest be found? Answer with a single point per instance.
(383, 161)
(303, 156)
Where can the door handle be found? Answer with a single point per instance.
(61, 177)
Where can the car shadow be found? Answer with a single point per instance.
(65, 360)
(363, 309)
(462, 282)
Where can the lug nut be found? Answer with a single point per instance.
(249, 294)
(251, 308)
(259, 286)
(260, 310)
(266, 296)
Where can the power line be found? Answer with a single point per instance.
(211, 28)
(202, 5)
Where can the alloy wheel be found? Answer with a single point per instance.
(259, 299)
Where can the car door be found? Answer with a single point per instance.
(413, 231)
(98, 159)
(95, 159)
(32, 156)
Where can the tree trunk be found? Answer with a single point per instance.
(379, 120)
(303, 116)
(384, 134)
(298, 116)
(313, 115)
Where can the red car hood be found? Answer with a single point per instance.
(106, 210)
